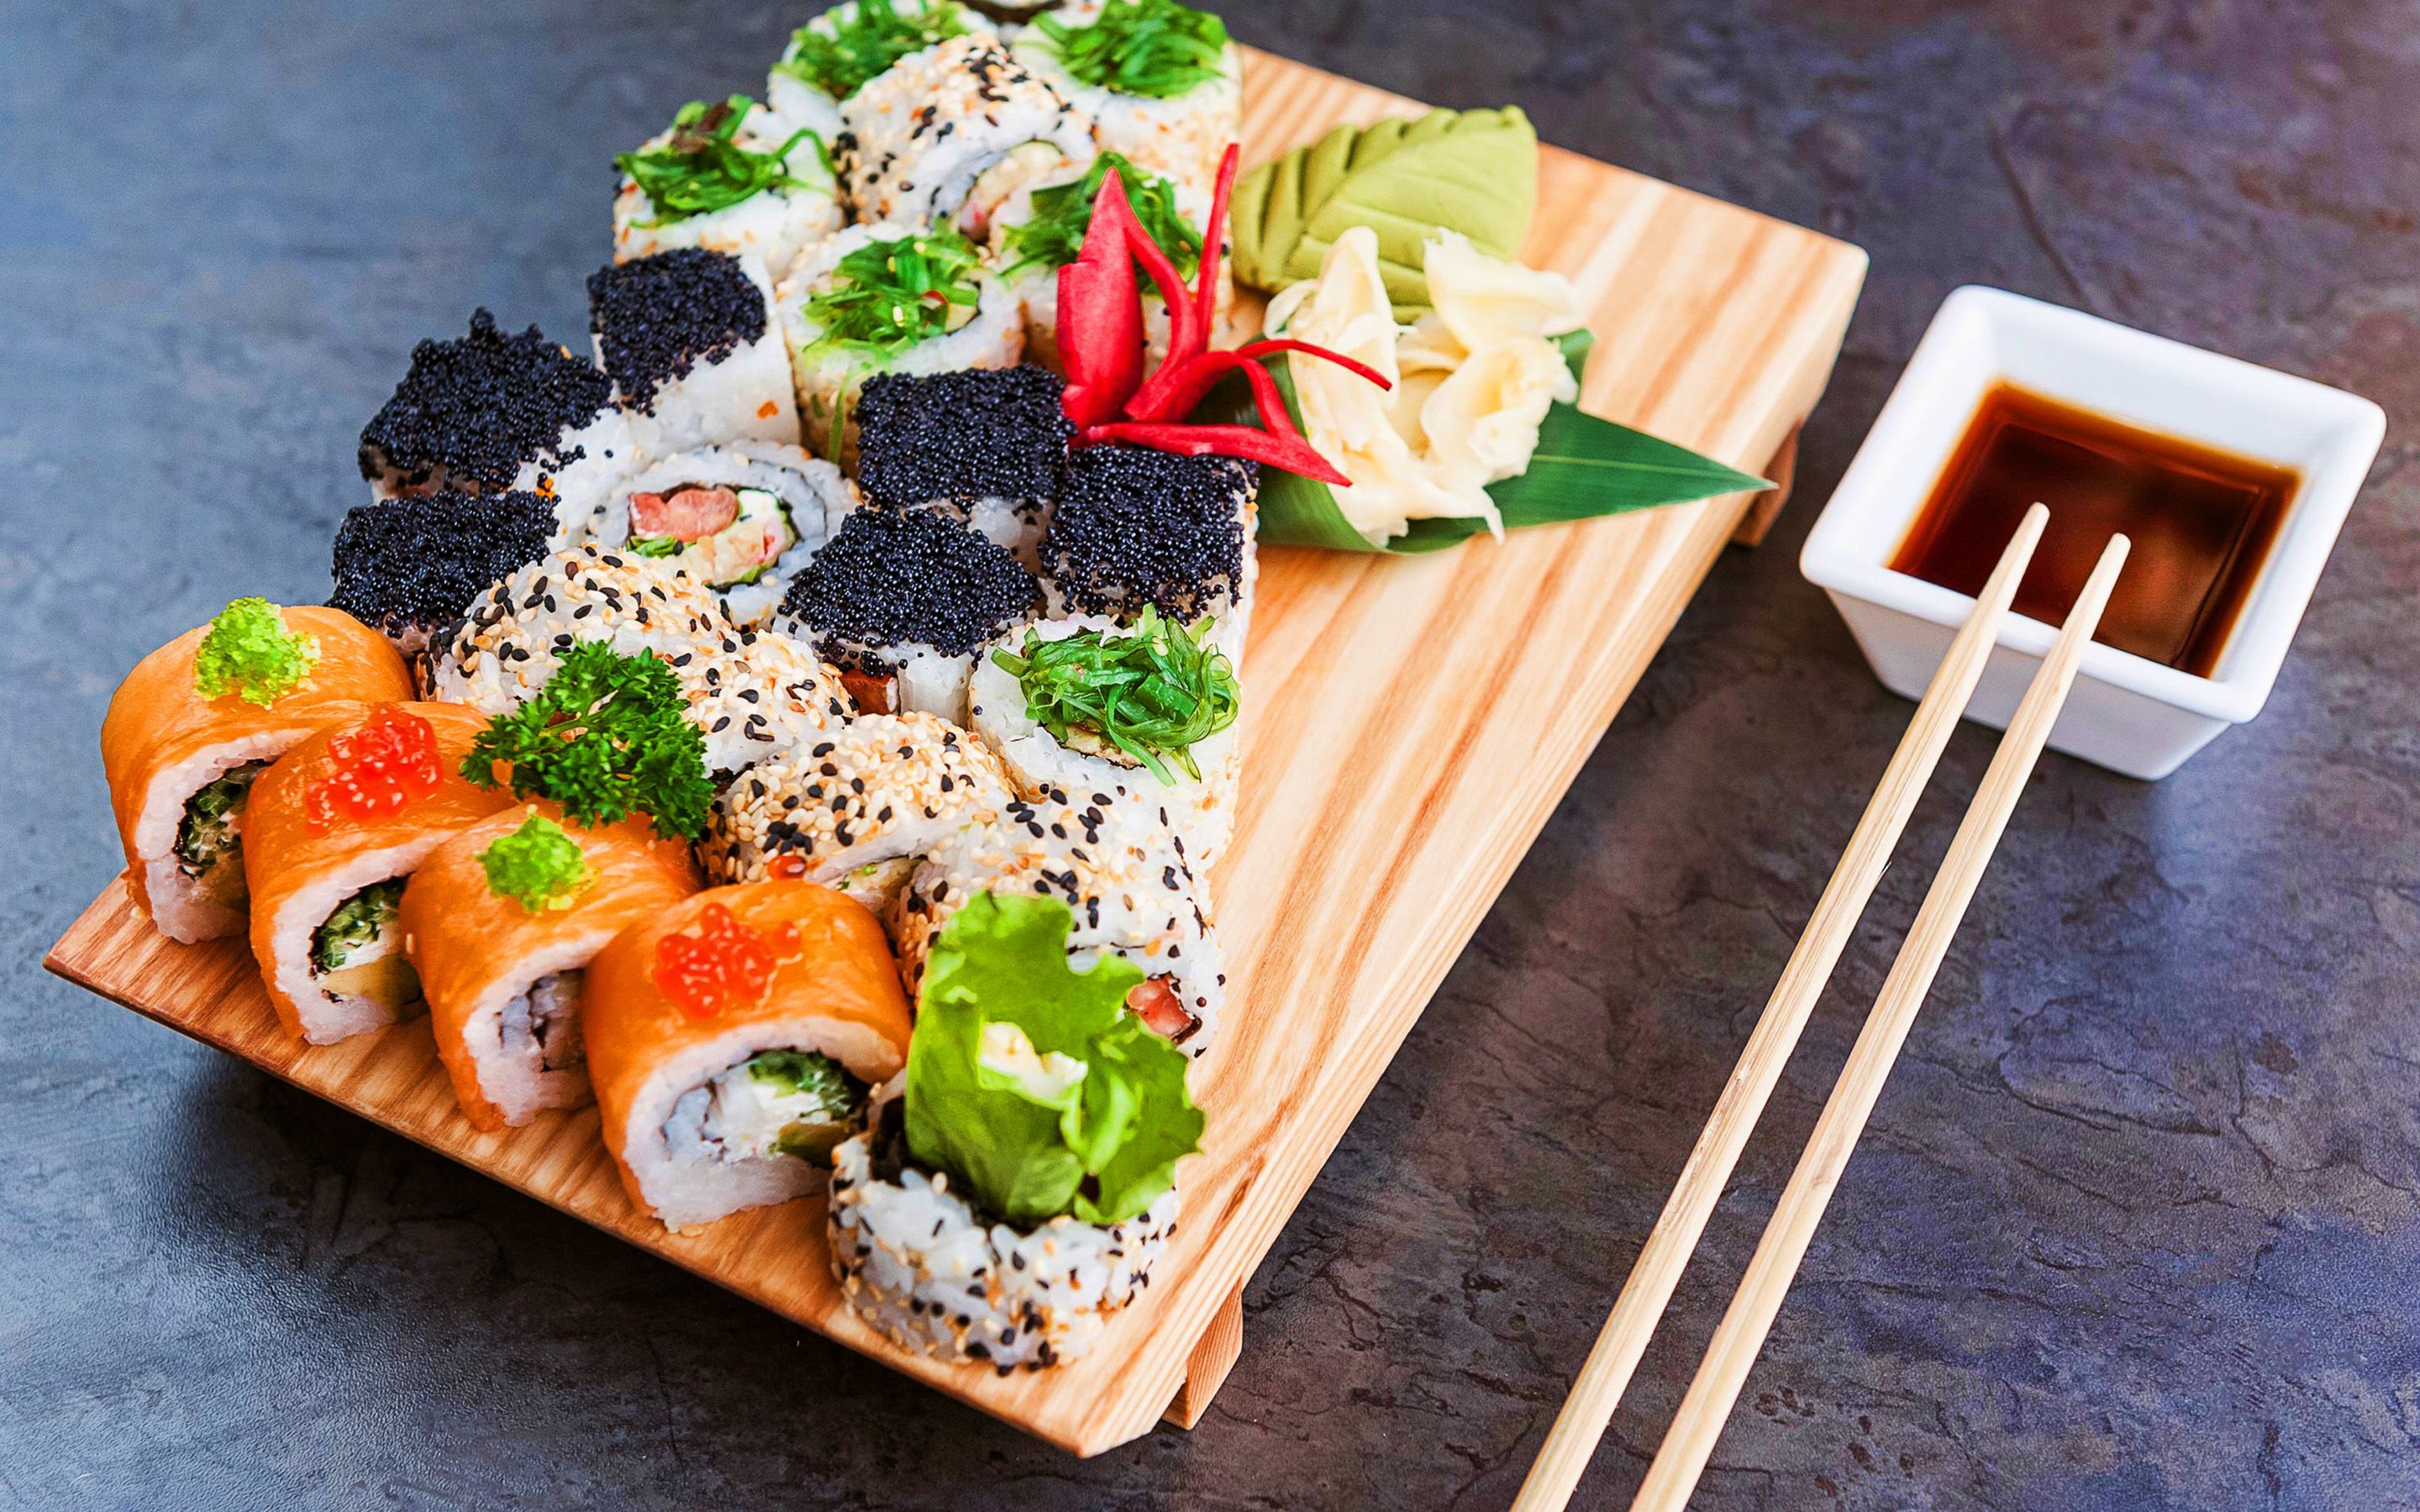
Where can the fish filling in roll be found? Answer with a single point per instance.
(541, 1026)
(795, 1102)
(358, 953)
(209, 838)
(726, 536)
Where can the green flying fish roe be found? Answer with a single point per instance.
(249, 652)
(538, 866)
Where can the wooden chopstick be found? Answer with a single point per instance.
(1573, 1439)
(1690, 1440)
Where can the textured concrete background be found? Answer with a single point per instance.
(2138, 1220)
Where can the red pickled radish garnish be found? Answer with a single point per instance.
(376, 770)
(725, 964)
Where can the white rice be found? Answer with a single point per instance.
(950, 132)
(928, 1273)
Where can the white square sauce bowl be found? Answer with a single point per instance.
(2127, 713)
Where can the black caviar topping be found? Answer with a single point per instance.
(988, 433)
(1137, 527)
(890, 577)
(422, 560)
(480, 407)
(658, 318)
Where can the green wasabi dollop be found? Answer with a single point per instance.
(538, 866)
(1472, 171)
(249, 652)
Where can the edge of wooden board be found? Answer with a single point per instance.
(1319, 608)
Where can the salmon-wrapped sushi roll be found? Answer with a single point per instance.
(501, 921)
(733, 1042)
(197, 720)
(331, 834)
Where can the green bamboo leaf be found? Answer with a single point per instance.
(1474, 172)
(1584, 467)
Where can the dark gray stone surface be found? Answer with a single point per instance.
(2138, 1220)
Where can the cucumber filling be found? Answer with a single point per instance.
(209, 838)
(358, 951)
(795, 1102)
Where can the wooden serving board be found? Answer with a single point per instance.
(1409, 724)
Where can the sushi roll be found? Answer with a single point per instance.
(749, 695)
(728, 177)
(881, 298)
(689, 339)
(732, 1042)
(900, 601)
(500, 922)
(1017, 1194)
(195, 723)
(1163, 82)
(1135, 527)
(946, 135)
(489, 413)
(1112, 854)
(982, 446)
(510, 642)
(741, 518)
(1086, 703)
(847, 47)
(333, 831)
(857, 809)
(1041, 229)
(411, 567)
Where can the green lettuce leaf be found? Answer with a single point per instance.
(1584, 467)
(1473, 171)
(1103, 1148)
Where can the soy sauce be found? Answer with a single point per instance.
(2202, 522)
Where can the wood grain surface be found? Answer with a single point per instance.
(1409, 724)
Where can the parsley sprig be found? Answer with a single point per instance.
(604, 738)
(886, 296)
(1141, 47)
(1063, 212)
(1153, 692)
(877, 34)
(702, 168)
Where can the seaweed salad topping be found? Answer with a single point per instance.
(702, 168)
(875, 35)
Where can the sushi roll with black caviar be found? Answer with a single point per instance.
(885, 299)
(946, 135)
(690, 340)
(728, 175)
(848, 47)
(1085, 704)
(742, 517)
(411, 567)
(986, 1215)
(984, 446)
(1114, 855)
(900, 600)
(1135, 527)
(1163, 82)
(488, 413)
(856, 808)
(749, 695)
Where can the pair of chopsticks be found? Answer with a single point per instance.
(1690, 1440)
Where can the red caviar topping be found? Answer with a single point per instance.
(725, 963)
(788, 867)
(377, 771)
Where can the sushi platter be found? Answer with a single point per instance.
(1412, 717)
